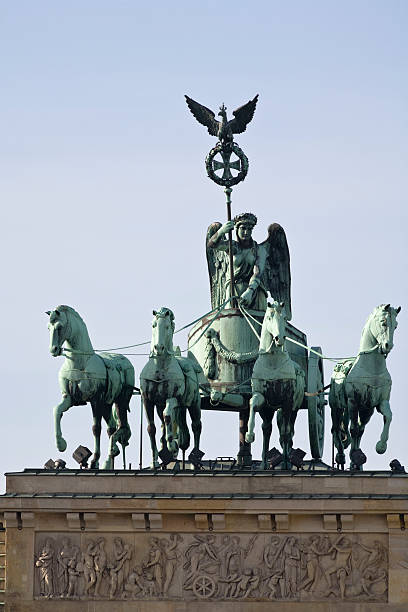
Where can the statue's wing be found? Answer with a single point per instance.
(242, 116)
(217, 268)
(276, 276)
(204, 115)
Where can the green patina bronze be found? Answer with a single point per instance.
(360, 385)
(278, 384)
(105, 380)
(257, 268)
(170, 382)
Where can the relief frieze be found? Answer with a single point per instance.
(208, 566)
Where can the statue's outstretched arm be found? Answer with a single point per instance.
(216, 242)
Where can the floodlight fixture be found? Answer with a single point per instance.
(274, 458)
(358, 458)
(296, 457)
(195, 458)
(396, 467)
(81, 456)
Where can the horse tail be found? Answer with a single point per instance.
(183, 432)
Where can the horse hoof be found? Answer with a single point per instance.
(381, 447)
(249, 437)
(61, 445)
(114, 451)
(340, 459)
(94, 464)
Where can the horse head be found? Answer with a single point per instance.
(275, 323)
(162, 332)
(382, 324)
(60, 329)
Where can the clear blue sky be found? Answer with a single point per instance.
(105, 201)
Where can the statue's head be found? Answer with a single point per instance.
(223, 111)
(244, 224)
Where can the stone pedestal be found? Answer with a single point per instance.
(185, 542)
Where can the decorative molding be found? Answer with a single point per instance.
(201, 521)
(330, 522)
(282, 522)
(156, 521)
(265, 522)
(138, 521)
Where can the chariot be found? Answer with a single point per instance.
(227, 351)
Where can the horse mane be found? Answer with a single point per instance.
(373, 315)
(71, 311)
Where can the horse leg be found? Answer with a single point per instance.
(384, 409)
(169, 422)
(151, 430)
(359, 418)
(255, 404)
(122, 432)
(195, 416)
(336, 417)
(107, 414)
(266, 414)
(58, 412)
(96, 430)
(284, 424)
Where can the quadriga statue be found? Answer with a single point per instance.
(258, 268)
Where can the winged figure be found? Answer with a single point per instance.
(258, 268)
(223, 129)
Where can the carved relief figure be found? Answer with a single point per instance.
(88, 566)
(172, 558)
(65, 554)
(45, 565)
(73, 578)
(211, 566)
(291, 555)
(156, 565)
(119, 569)
(100, 563)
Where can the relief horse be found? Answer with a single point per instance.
(360, 385)
(170, 382)
(106, 380)
(278, 384)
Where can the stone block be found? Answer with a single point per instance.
(201, 521)
(282, 522)
(265, 522)
(138, 521)
(156, 521)
(218, 521)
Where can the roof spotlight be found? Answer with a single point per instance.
(274, 458)
(396, 467)
(358, 458)
(195, 458)
(81, 456)
(296, 457)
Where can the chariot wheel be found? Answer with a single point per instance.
(316, 403)
(204, 587)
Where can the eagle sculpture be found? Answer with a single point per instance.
(223, 129)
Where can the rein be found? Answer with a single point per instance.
(218, 310)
